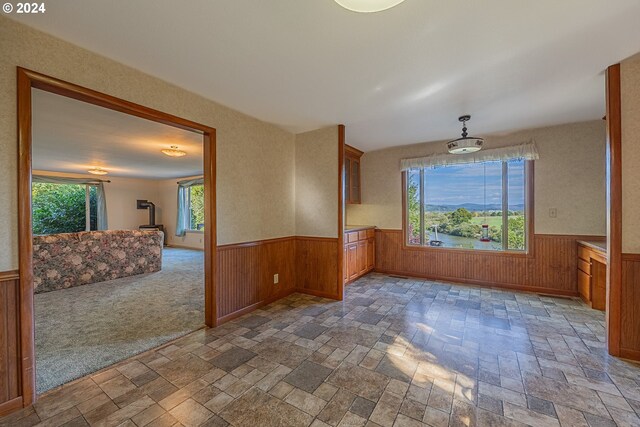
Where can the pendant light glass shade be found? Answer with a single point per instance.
(368, 6)
(174, 152)
(466, 144)
(97, 171)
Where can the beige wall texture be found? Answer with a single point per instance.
(630, 89)
(168, 202)
(316, 183)
(569, 176)
(254, 159)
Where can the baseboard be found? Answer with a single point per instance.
(319, 294)
(481, 283)
(630, 354)
(255, 306)
(10, 406)
(184, 247)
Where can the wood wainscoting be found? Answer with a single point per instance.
(316, 264)
(630, 302)
(10, 389)
(549, 267)
(245, 272)
(245, 275)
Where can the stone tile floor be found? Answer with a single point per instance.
(396, 352)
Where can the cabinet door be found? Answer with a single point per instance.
(371, 253)
(355, 181)
(362, 257)
(584, 286)
(352, 256)
(345, 266)
(347, 180)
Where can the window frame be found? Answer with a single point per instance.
(529, 222)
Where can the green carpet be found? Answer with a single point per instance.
(84, 329)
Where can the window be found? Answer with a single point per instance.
(196, 207)
(62, 208)
(468, 206)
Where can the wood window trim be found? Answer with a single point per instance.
(529, 210)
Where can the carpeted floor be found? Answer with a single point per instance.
(83, 329)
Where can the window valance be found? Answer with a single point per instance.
(186, 183)
(526, 151)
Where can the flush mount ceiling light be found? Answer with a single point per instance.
(174, 152)
(367, 6)
(98, 171)
(466, 144)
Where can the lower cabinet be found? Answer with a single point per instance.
(359, 253)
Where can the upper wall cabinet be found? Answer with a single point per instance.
(352, 169)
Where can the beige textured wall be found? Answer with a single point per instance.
(255, 159)
(630, 89)
(168, 200)
(570, 176)
(316, 183)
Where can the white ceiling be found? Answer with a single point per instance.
(395, 77)
(73, 136)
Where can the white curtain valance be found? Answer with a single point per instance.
(186, 183)
(526, 151)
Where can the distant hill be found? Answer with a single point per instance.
(472, 207)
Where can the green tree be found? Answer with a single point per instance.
(197, 207)
(460, 216)
(414, 213)
(516, 227)
(60, 208)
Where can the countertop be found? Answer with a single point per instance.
(595, 244)
(348, 228)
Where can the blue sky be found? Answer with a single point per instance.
(458, 184)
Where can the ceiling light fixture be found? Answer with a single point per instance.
(174, 152)
(368, 6)
(466, 144)
(97, 171)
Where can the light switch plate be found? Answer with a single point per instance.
(553, 212)
(276, 279)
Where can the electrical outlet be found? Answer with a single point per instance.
(276, 279)
(553, 212)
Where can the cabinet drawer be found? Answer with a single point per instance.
(371, 233)
(584, 253)
(584, 266)
(362, 234)
(352, 237)
(584, 286)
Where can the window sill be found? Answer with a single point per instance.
(517, 254)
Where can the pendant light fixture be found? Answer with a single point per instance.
(97, 171)
(174, 151)
(466, 144)
(367, 6)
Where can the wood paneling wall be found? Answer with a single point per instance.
(550, 267)
(630, 303)
(245, 272)
(316, 264)
(10, 390)
(245, 275)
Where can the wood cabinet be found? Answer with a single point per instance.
(352, 189)
(359, 253)
(592, 274)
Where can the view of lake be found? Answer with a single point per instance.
(450, 241)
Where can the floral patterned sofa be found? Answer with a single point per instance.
(72, 259)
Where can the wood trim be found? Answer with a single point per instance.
(252, 307)
(341, 203)
(27, 79)
(318, 239)
(11, 405)
(349, 150)
(631, 354)
(630, 257)
(529, 212)
(9, 275)
(231, 246)
(484, 284)
(614, 209)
